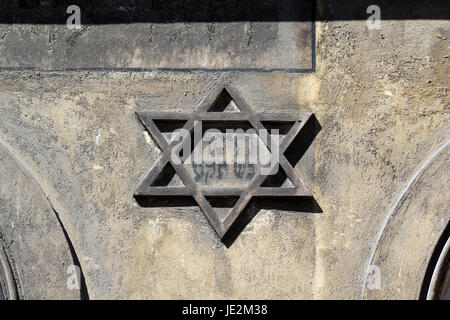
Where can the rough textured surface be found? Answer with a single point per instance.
(421, 213)
(35, 250)
(381, 98)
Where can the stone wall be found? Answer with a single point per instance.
(73, 152)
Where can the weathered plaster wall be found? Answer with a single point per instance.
(381, 98)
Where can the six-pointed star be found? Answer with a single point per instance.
(211, 110)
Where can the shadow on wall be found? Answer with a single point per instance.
(168, 11)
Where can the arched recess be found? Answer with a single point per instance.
(36, 251)
(413, 229)
(436, 285)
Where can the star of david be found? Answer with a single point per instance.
(282, 190)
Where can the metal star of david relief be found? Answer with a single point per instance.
(229, 195)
